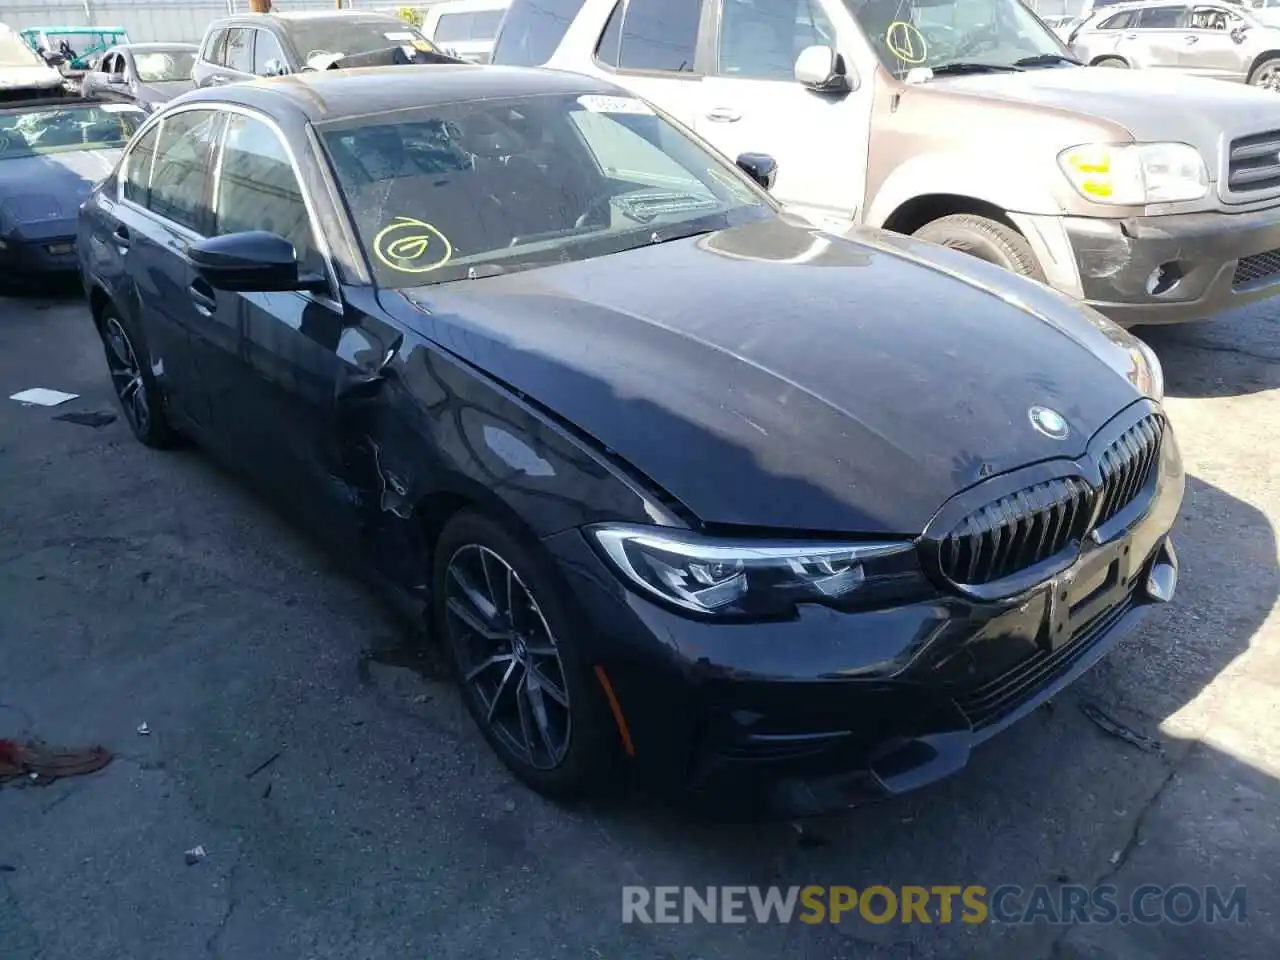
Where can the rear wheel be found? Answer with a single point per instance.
(130, 369)
(498, 608)
(1266, 74)
(985, 239)
(1114, 62)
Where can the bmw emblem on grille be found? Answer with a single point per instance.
(1049, 422)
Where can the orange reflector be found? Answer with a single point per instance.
(627, 745)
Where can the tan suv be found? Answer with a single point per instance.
(1154, 198)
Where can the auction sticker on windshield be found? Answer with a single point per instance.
(598, 103)
(399, 36)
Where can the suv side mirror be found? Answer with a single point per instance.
(760, 167)
(1239, 32)
(820, 68)
(274, 68)
(251, 262)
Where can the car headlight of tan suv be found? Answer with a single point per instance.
(1135, 174)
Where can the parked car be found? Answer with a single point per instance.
(963, 122)
(73, 49)
(274, 44)
(465, 28)
(23, 74)
(1216, 40)
(545, 361)
(52, 152)
(145, 74)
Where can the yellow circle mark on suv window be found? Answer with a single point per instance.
(906, 42)
(412, 246)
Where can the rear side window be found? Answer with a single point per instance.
(1164, 18)
(135, 175)
(180, 172)
(531, 31)
(240, 49)
(459, 27)
(651, 35)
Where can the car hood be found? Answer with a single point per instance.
(1132, 99)
(50, 187)
(772, 375)
(163, 92)
(37, 77)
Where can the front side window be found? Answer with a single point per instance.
(163, 66)
(40, 132)
(477, 189)
(651, 35)
(453, 27)
(1165, 18)
(1213, 18)
(257, 188)
(239, 56)
(1120, 21)
(761, 39)
(955, 35)
(215, 48)
(531, 31)
(180, 172)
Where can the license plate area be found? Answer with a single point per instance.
(1078, 599)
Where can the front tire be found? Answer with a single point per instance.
(498, 610)
(985, 239)
(1114, 63)
(1266, 74)
(129, 365)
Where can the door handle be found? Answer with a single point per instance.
(121, 236)
(1131, 36)
(723, 115)
(203, 297)
(1192, 39)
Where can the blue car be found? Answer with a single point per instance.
(52, 152)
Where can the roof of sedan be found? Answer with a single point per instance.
(325, 96)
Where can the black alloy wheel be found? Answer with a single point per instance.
(513, 650)
(134, 386)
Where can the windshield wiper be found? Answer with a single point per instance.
(973, 66)
(1046, 60)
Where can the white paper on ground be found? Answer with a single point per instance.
(43, 396)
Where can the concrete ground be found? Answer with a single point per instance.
(141, 587)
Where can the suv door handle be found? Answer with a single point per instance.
(203, 297)
(1131, 36)
(121, 236)
(724, 115)
(1192, 39)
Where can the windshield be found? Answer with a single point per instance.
(910, 34)
(162, 66)
(480, 188)
(65, 129)
(349, 35)
(15, 53)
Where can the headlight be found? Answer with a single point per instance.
(736, 578)
(1147, 375)
(1135, 174)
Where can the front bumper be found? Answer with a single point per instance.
(831, 709)
(21, 257)
(1209, 262)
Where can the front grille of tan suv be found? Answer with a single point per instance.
(1253, 163)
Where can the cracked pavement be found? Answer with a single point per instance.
(138, 586)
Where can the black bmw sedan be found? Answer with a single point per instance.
(684, 483)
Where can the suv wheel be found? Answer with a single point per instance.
(985, 239)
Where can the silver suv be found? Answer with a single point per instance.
(1216, 39)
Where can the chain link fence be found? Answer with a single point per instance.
(176, 20)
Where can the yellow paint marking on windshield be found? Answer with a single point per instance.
(906, 42)
(412, 246)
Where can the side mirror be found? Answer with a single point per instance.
(1238, 34)
(274, 68)
(760, 167)
(820, 68)
(251, 262)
